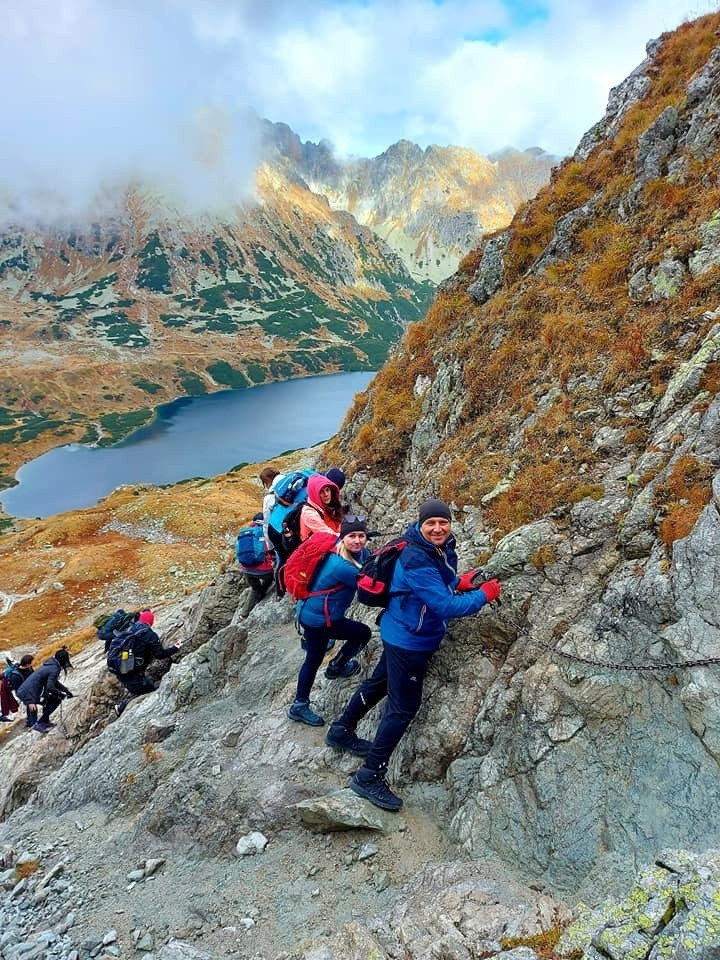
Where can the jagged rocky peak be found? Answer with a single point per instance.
(431, 205)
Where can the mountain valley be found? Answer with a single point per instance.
(562, 394)
(100, 324)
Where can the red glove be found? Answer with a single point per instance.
(466, 582)
(492, 589)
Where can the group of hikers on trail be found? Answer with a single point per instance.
(36, 689)
(308, 544)
(320, 557)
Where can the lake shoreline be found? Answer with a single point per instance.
(188, 437)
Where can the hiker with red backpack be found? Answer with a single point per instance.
(329, 569)
(425, 592)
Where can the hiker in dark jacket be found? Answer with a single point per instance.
(43, 686)
(15, 675)
(147, 647)
(425, 592)
(322, 618)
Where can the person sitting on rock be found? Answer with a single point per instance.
(43, 686)
(15, 675)
(425, 592)
(146, 646)
(322, 618)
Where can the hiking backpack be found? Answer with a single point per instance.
(374, 576)
(293, 487)
(13, 676)
(290, 493)
(304, 564)
(290, 535)
(120, 657)
(109, 627)
(250, 548)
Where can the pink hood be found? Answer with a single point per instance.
(315, 484)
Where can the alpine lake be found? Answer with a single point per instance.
(190, 437)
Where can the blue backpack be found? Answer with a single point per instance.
(121, 658)
(250, 548)
(13, 676)
(289, 492)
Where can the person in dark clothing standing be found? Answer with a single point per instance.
(43, 686)
(322, 619)
(425, 592)
(15, 675)
(147, 646)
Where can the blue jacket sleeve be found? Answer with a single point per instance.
(428, 586)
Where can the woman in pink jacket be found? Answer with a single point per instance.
(322, 511)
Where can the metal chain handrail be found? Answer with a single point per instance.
(628, 666)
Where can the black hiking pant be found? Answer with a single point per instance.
(136, 684)
(51, 702)
(398, 676)
(353, 635)
(280, 558)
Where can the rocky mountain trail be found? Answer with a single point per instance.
(203, 763)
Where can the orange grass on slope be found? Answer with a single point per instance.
(140, 545)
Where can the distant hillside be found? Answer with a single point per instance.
(98, 326)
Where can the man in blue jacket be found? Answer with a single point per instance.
(425, 592)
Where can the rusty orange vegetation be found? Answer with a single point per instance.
(65, 570)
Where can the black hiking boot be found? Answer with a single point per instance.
(371, 785)
(340, 737)
(342, 671)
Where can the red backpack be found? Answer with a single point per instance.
(304, 563)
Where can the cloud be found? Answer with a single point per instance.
(105, 94)
(110, 91)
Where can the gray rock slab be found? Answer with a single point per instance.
(344, 810)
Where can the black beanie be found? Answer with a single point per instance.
(351, 525)
(433, 508)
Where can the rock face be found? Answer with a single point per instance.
(597, 477)
(430, 205)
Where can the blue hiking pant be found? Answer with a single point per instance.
(398, 676)
(353, 636)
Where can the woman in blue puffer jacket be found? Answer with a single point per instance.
(425, 592)
(322, 618)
